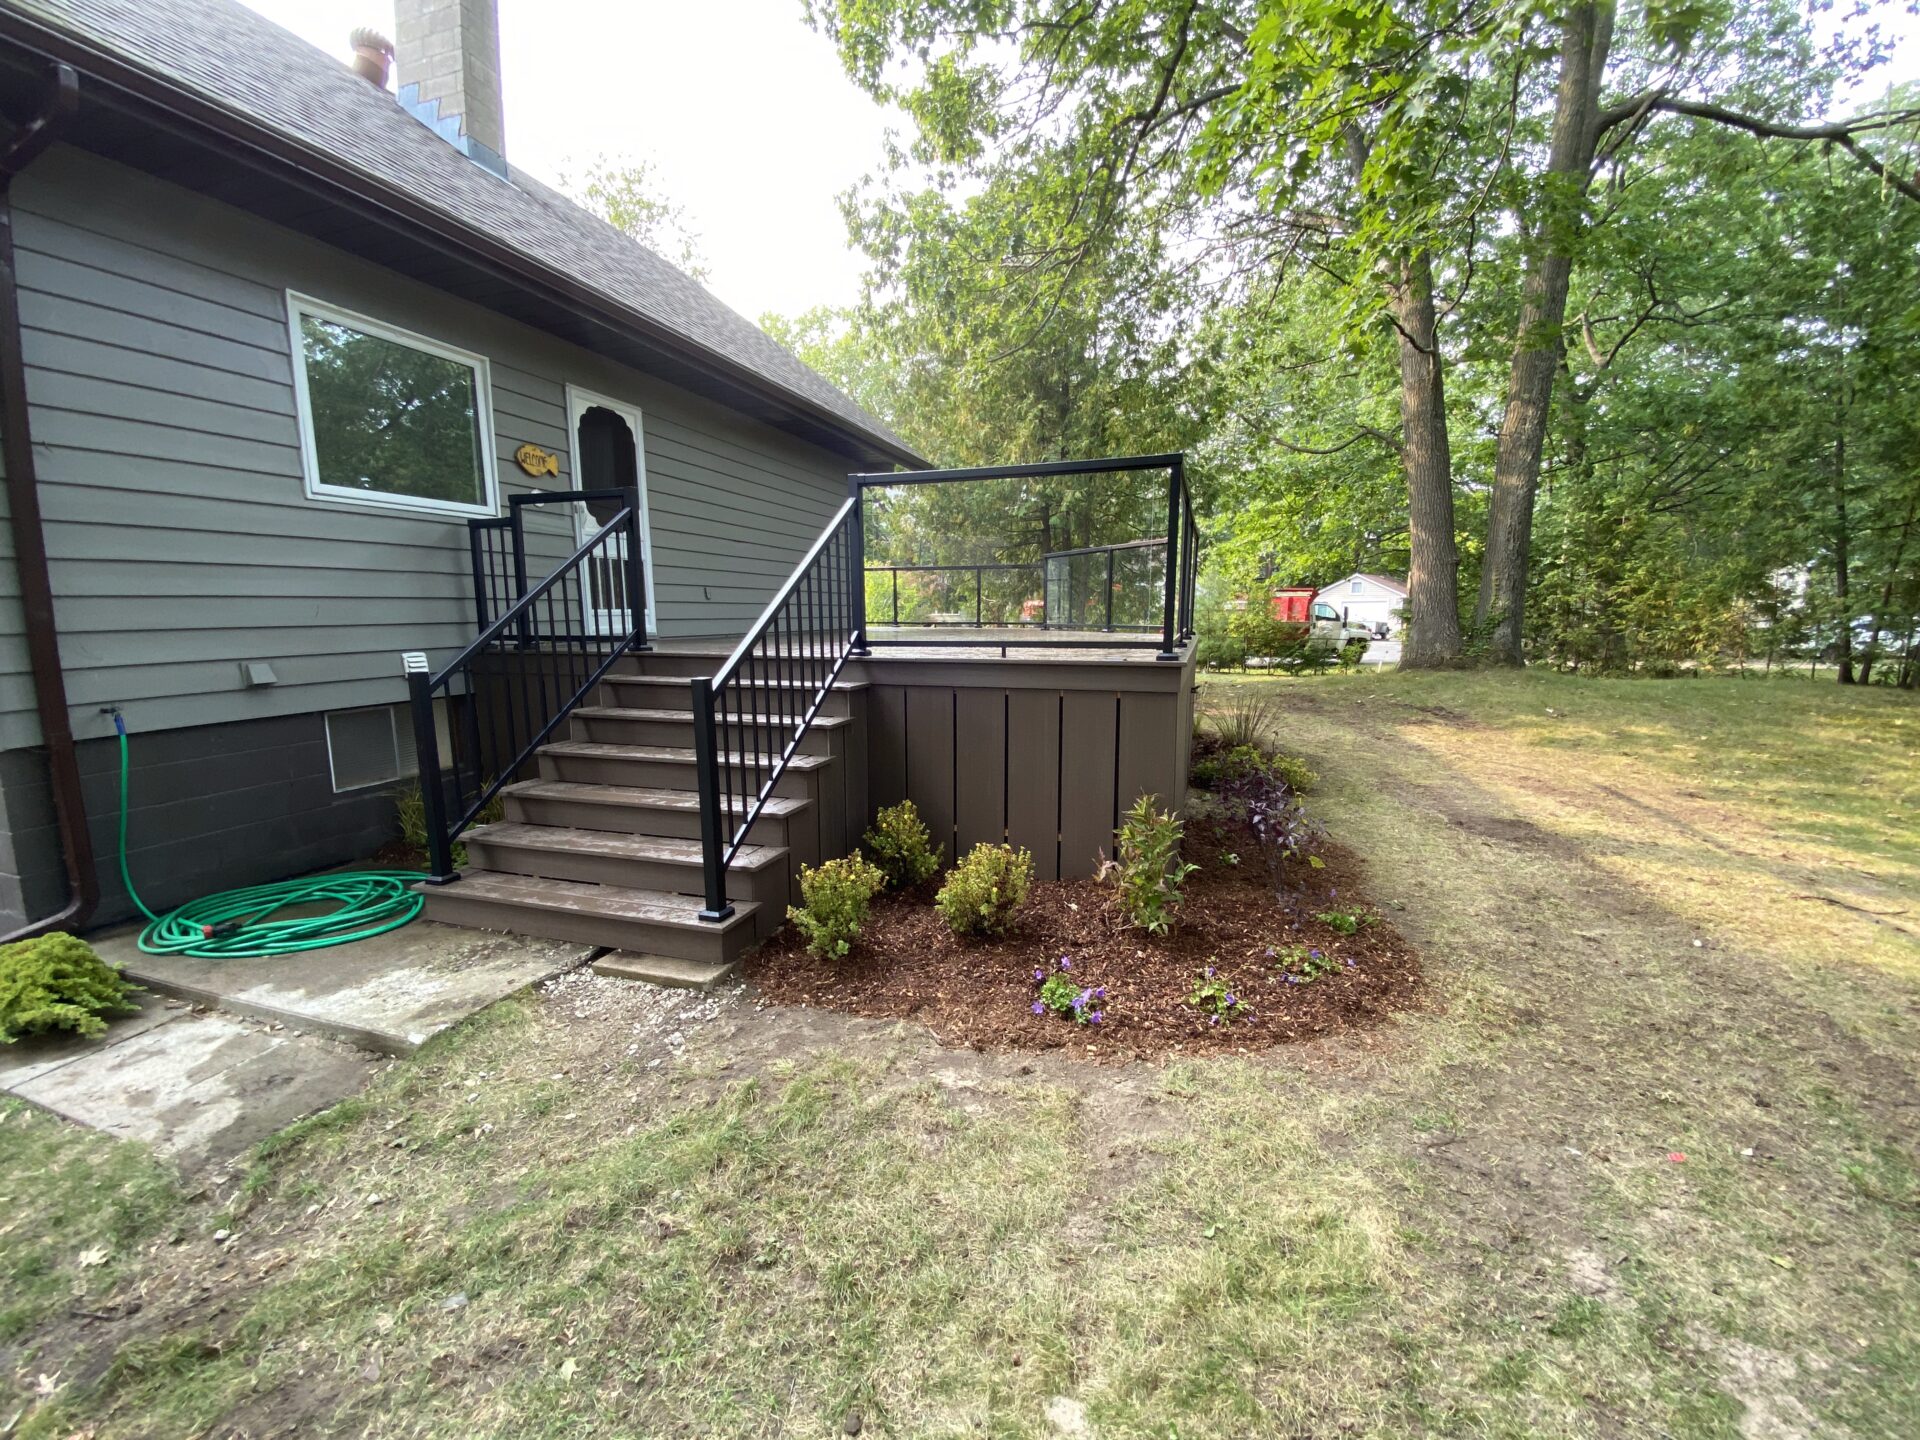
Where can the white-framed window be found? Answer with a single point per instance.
(388, 417)
(374, 744)
(1356, 587)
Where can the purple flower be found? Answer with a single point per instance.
(1293, 979)
(1231, 1001)
(1209, 972)
(1039, 974)
(1350, 962)
(1066, 962)
(1213, 1020)
(1039, 1007)
(1314, 953)
(1101, 993)
(1094, 1018)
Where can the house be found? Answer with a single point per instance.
(331, 438)
(1369, 600)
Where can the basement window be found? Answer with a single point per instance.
(388, 417)
(373, 746)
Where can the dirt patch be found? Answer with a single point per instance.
(981, 993)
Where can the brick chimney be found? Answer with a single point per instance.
(448, 54)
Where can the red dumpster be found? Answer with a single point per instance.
(1295, 603)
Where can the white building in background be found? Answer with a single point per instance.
(1370, 600)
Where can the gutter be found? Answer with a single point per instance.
(279, 152)
(29, 538)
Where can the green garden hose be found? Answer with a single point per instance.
(236, 924)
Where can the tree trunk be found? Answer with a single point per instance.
(1433, 569)
(1586, 38)
(1886, 593)
(1842, 535)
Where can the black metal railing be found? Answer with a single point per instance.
(942, 595)
(503, 696)
(1110, 588)
(751, 716)
(1175, 582)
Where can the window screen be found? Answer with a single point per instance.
(370, 747)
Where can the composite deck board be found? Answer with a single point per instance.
(930, 760)
(1087, 754)
(1033, 777)
(980, 765)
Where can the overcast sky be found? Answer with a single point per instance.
(744, 111)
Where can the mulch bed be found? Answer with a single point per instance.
(980, 993)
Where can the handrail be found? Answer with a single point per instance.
(751, 716)
(502, 702)
(1181, 538)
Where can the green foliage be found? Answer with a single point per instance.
(1217, 1000)
(836, 896)
(1344, 920)
(56, 982)
(410, 810)
(1062, 994)
(1147, 868)
(985, 889)
(626, 194)
(1245, 761)
(900, 846)
(1303, 964)
(1248, 718)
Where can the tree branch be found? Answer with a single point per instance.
(1844, 133)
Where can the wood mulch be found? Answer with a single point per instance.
(980, 993)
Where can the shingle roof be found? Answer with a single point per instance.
(247, 65)
(1385, 580)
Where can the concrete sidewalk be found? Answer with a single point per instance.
(226, 1052)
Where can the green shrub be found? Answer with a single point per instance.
(985, 889)
(57, 983)
(900, 845)
(1225, 767)
(410, 808)
(837, 895)
(1147, 866)
(1261, 636)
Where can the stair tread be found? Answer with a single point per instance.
(614, 843)
(612, 902)
(685, 717)
(670, 754)
(613, 678)
(640, 797)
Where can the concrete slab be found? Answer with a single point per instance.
(665, 970)
(38, 1055)
(200, 1088)
(390, 993)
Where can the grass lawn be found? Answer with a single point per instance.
(1642, 1165)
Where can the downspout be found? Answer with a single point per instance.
(29, 140)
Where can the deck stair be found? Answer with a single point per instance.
(601, 846)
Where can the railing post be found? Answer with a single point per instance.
(707, 765)
(636, 576)
(895, 572)
(1109, 591)
(520, 575)
(1175, 479)
(858, 520)
(477, 553)
(426, 740)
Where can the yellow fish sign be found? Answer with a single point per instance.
(536, 461)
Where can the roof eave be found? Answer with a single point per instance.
(270, 147)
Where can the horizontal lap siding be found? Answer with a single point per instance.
(179, 533)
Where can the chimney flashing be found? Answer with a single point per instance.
(449, 60)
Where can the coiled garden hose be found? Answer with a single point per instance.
(236, 924)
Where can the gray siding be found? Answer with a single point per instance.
(181, 538)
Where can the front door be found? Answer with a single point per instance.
(609, 454)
